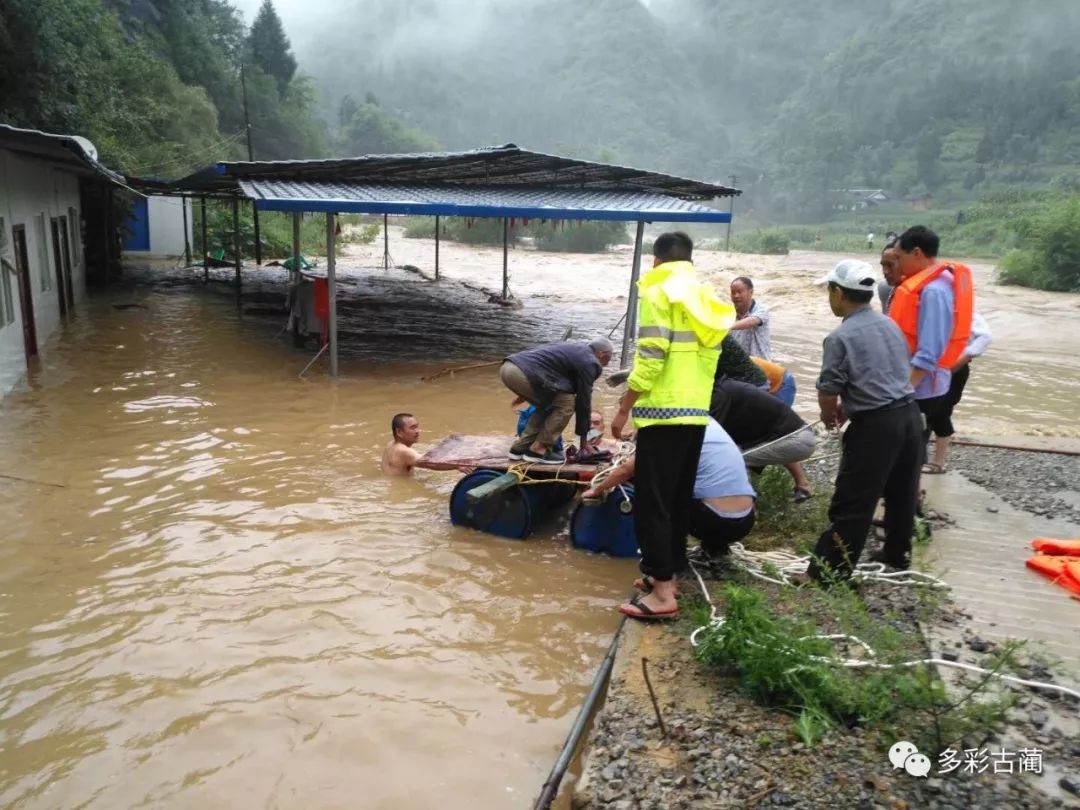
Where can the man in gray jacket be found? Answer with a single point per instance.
(558, 379)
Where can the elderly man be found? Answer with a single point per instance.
(558, 379)
(864, 378)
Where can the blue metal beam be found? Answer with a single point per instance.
(451, 210)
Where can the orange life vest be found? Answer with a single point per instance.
(904, 309)
(1051, 545)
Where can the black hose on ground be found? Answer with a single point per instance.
(558, 770)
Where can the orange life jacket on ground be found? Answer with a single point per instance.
(904, 309)
(1064, 571)
(1051, 545)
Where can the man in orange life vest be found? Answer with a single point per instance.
(932, 305)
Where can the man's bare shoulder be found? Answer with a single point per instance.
(397, 459)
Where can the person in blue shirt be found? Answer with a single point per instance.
(722, 510)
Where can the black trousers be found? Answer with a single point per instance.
(882, 456)
(941, 421)
(931, 408)
(664, 473)
(717, 533)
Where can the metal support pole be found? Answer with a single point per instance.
(731, 210)
(436, 247)
(385, 242)
(506, 274)
(631, 301)
(187, 239)
(258, 238)
(294, 276)
(236, 244)
(205, 247)
(331, 291)
(110, 234)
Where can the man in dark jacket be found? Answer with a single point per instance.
(558, 379)
(765, 429)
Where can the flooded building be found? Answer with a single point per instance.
(54, 205)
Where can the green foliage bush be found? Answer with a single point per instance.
(770, 644)
(780, 521)
(275, 233)
(1049, 254)
(569, 237)
(578, 237)
(772, 242)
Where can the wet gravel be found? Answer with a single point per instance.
(1046, 484)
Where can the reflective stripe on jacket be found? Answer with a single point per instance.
(680, 325)
(904, 309)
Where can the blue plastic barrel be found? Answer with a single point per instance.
(608, 527)
(509, 513)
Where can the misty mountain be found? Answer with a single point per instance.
(922, 97)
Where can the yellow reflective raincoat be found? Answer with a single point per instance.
(680, 325)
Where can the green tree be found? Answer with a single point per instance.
(371, 131)
(269, 48)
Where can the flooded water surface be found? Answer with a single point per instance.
(209, 596)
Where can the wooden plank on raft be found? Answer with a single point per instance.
(492, 487)
(460, 450)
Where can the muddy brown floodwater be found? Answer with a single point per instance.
(210, 597)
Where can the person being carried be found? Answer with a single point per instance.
(558, 379)
(751, 330)
(781, 381)
(680, 325)
(736, 364)
(864, 378)
(722, 510)
(399, 458)
(768, 431)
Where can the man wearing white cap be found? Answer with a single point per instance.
(865, 379)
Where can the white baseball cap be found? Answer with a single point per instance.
(851, 274)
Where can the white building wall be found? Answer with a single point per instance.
(166, 217)
(29, 188)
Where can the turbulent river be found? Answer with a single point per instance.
(209, 596)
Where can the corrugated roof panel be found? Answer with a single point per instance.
(506, 165)
(476, 201)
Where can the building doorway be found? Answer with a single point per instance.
(26, 300)
(58, 261)
(69, 288)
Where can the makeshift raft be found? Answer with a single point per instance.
(510, 498)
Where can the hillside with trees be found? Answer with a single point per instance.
(922, 98)
(159, 85)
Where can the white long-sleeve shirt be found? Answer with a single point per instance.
(980, 338)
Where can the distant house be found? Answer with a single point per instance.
(159, 228)
(856, 199)
(54, 213)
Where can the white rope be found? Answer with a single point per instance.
(716, 621)
(624, 452)
(788, 564)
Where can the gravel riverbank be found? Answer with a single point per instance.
(1041, 483)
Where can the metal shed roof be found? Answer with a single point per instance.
(474, 201)
(72, 151)
(506, 166)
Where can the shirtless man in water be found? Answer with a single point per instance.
(399, 457)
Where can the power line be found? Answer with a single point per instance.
(188, 157)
